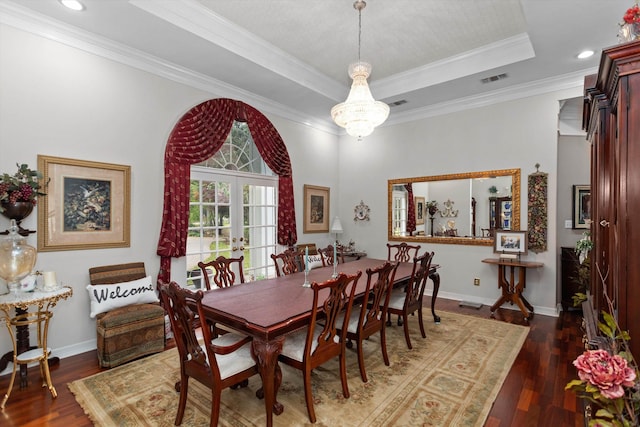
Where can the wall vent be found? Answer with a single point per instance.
(494, 78)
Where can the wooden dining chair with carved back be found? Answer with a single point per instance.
(405, 301)
(368, 318)
(287, 262)
(310, 347)
(327, 255)
(223, 271)
(401, 252)
(219, 363)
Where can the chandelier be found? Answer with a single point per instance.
(360, 113)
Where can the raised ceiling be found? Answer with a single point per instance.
(291, 57)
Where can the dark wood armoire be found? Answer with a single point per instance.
(612, 121)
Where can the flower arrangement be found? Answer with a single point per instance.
(630, 25)
(23, 186)
(584, 246)
(609, 378)
(632, 15)
(432, 207)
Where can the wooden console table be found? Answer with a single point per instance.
(512, 290)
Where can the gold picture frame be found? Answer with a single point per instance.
(87, 205)
(316, 209)
(420, 209)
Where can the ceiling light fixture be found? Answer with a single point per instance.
(585, 54)
(360, 113)
(72, 4)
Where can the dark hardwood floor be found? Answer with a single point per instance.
(532, 395)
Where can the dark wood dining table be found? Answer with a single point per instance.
(267, 310)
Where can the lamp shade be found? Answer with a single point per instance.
(336, 226)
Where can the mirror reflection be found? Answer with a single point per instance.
(464, 208)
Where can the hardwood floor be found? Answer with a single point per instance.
(532, 395)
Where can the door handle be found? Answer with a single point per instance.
(604, 223)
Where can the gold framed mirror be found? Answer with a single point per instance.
(470, 207)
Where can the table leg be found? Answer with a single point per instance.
(266, 356)
(435, 278)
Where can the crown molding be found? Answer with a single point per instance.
(26, 20)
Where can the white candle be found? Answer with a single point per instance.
(50, 280)
(306, 259)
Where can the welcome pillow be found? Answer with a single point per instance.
(107, 297)
(315, 261)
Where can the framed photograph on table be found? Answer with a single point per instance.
(87, 205)
(581, 206)
(316, 209)
(510, 242)
(419, 202)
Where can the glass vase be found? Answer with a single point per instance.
(629, 32)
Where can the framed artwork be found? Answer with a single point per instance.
(419, 202)
(87, 205)
(511, 242)
(316, 209)
(581, 206)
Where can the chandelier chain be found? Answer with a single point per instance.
(359, 30)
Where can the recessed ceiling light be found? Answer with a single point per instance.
(585, 54)
(72, 4)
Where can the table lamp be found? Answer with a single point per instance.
(336, 228)
(17, 259)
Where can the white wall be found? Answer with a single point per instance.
(60, 101)
(515, 134)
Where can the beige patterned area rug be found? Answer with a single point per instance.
(451, 378)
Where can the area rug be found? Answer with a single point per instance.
(450, 378)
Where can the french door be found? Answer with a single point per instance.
(231, 214)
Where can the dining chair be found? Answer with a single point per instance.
(402, 252)
(310, 347)
(223, 362)
(408, 300)
(373, 310)
(327, 256)
(223, 271)
(286, 262)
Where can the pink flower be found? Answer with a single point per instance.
(608, 373)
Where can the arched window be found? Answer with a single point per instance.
(232, 208)
(197, 136)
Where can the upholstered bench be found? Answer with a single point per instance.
(131, 331)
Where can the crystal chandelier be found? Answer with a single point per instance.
(360, 113)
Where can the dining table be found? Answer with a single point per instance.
(269, 309)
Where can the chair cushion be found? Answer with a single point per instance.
(396, 299)
(130, 314)
(293, 346)
(108, 297)
(235, 362)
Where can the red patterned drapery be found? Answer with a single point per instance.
(196, 137)
(411, 209)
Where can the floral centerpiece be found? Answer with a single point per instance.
(432, 207)
(609, 378)
(630, 25)
(23, 186)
